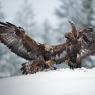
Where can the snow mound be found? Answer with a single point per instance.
(59, 82)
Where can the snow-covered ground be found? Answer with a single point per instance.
(59, 82)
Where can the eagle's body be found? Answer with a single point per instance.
(43, 56)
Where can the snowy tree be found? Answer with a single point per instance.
(71, 10)
(64, 13)
(93, 14)
(25, 17)
(60, 32)
(88, 11)
(80, 12)
(47, 30)
(2, 18)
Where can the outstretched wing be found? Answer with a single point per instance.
(88, 42)
(17, 41)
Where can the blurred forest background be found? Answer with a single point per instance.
(81, 12)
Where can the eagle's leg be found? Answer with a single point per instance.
(75, 63)
(78, 61)
(33, 66)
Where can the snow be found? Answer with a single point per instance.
(59, 82)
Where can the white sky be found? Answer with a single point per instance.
(43, 9)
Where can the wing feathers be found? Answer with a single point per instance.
(16, 40)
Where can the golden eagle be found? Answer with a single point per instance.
(78, 45)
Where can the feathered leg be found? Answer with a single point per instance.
(78, 61)
(75, 63)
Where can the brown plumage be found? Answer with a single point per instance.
(43, 56)
(38, 55)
